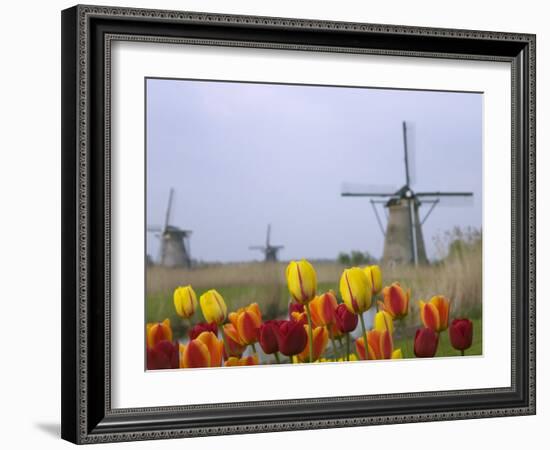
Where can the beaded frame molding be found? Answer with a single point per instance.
(87, 34)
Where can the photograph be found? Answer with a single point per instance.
(293, 224)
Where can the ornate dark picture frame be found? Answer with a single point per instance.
(87, 33)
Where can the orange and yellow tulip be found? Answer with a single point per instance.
(323, 308)
(194, 355)
(234, 344)
(204, 351)
(375, 275)
(302, 281)
(396, 301)
(159, 331)
(185, 301)
(320, 341)
(213, 307)
(247, 322)
(251, 360)
(435, 313)
(379, 345)
(356, 290)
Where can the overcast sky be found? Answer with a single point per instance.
(242, 155)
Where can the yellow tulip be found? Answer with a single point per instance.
(383, 322)
(356, 290)
(375, 275)
(397, 354)
(302, 281)
(160, 331)
(185, 301)
(213, 307)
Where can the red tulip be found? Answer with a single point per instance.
(200, 327)
(425, 343)
(346, 321)
(163, 355)
(291, 337)
(268, 336)
(460, 333)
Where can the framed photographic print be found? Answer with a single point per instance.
(256, 209)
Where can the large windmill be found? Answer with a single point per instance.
(174, 242)
(269, 251)
(404, 243)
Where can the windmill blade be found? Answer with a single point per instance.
(409, 145)
(367, 190)
(256, 247)
(448, 199)
(169, 208)
(268, 235)
(154, 229)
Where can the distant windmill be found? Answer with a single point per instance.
(174, 242)
(269, 251)
(404, 243)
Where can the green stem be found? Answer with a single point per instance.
(364, 335)
(277, 357)
(225, 346)
(461, 352)
(253, 347)
(333, 345)
(308, 314)
(347, 346)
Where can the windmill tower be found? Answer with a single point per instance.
(174, 242)
(269, 251)
(404, 242)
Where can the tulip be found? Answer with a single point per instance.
(195, 354)
(379, 345)
(322, 309)
(302, 281)
(397, 354)
(291, 337)
(435, 313)
(320, 341)
(425, 343)
(247, 321)
(295, 307)
(356, 290)
(163, 355)
(346, 321)
(396, 301)
(215, 347)
(302, 285)
(185, 301)
(251, 360)
(383, 322)
(234, 345)
(202, 326)
(268, 337)
(301, 317)
(375, 275)
(461, 333)
(160, 331)
(213, 307)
